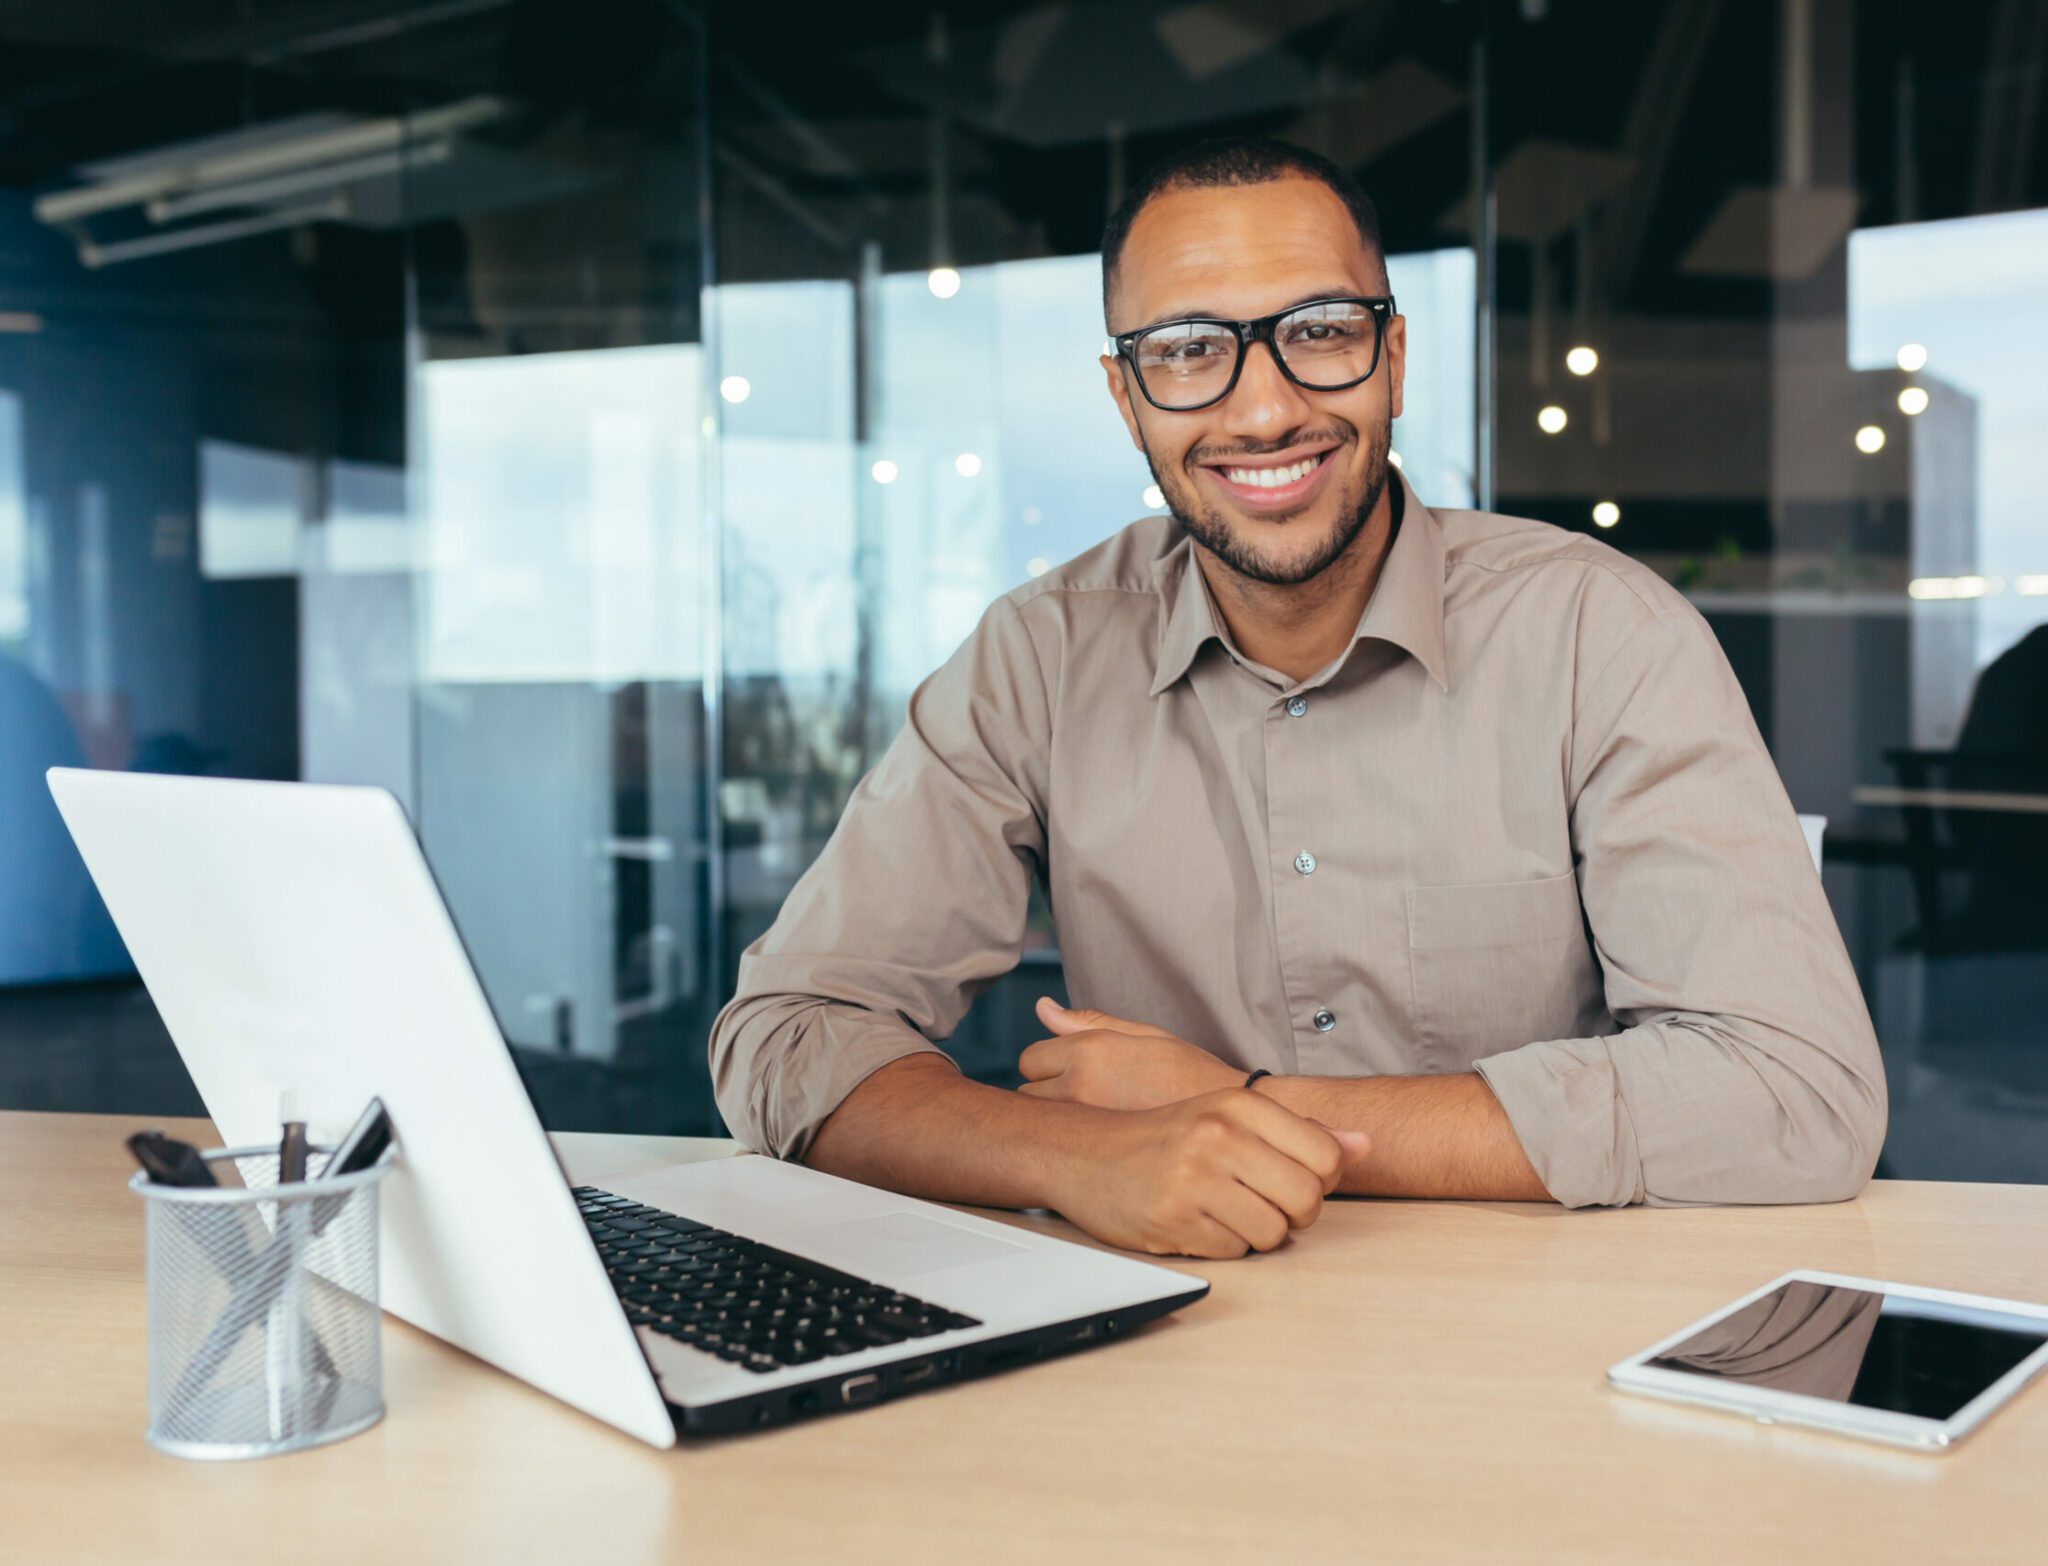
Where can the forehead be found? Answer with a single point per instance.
(1240, 251)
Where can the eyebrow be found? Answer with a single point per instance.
(1312, 297)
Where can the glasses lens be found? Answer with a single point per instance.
(1187, 363)
(1329, 345)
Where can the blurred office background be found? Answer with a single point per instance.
(592, 420)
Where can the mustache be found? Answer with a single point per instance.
(1202, 456)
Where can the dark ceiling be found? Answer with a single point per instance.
(1617, 130)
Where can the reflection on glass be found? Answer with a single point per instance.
(1807, 1338)
(1845, 1345)
(1961, 303)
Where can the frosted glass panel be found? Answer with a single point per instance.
(253, 509)
(560, 502)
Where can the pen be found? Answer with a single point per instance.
(282, 1344)
(367, 1141)
(168, 1161)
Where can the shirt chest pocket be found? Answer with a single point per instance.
(1500, 965)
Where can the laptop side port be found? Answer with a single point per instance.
(1003, 1356)
(856, 1390)
(917, 1373)
(1083, 1333)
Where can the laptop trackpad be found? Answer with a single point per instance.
(904, 1243)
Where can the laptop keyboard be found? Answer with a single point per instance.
(746, 1302)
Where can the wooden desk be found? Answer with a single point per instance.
(1408, 1383)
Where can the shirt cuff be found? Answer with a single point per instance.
(814, 1073)
(1567, 1109)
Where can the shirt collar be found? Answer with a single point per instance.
(1406, 609)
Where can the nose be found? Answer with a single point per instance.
(1265, 404)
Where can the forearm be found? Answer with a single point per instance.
(1711, 1108)
(918, 1126)
(1431, 1136)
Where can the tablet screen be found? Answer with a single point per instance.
(1885, 1351)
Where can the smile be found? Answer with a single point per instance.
(1282, 482)
(1273, 478)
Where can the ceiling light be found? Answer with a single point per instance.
(1953, 586)
(1912, 356)
(735, 388)
(1153, 497)
(2034, 586)
(1033, 516)
(295, 182)
(943, 281)
(1582, 360)
(170, 175)
(1870, 440)
(1912, 400)
(1551, 418)
(1393, 456)
(883, 472)
(1606, 514)
(967, 464)
(1038, 565)
(334, 209)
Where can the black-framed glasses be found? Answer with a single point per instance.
(1324, 345)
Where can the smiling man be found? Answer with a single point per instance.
(1401, 852)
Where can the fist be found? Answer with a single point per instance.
(1216, 1176)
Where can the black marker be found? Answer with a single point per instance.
(291, 1153)
(167, 1161)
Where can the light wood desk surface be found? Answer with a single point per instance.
(1409, 1382)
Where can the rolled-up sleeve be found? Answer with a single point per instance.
(916, 905)
(1746, 1069)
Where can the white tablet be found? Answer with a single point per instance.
(1919, 1368)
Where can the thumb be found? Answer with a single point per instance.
(1062, 1019)
(1352, 1147)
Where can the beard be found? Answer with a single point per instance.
(1248, 557)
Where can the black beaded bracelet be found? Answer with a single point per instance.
(1262, 1072)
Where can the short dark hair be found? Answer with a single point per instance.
(1235, 160)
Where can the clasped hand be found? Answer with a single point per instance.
(1199, 1165)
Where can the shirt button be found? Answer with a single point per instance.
(1305, 862)
(1297, 706)
(1324, 1021)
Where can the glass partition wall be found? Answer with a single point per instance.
(594, 434)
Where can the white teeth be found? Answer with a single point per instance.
(1272, 478)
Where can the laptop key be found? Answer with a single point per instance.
(739, 1297)
(872, 1334)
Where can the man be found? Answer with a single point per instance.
(1456, 825)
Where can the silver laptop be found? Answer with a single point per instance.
(292, 937)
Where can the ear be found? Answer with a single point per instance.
(1397, 361)
(1120, 394)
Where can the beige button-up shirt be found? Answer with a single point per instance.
(1523, 826)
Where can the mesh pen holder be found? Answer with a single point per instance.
(263, 1321)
